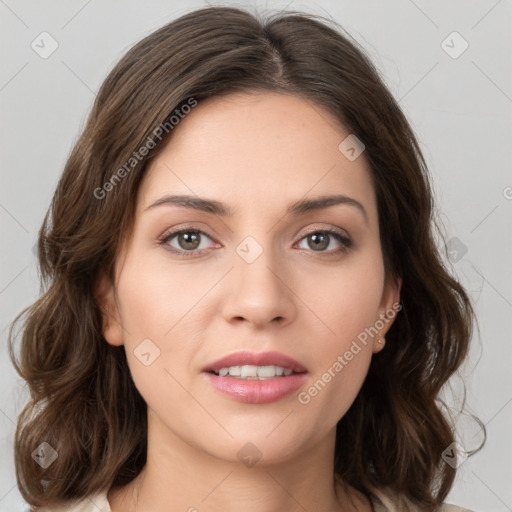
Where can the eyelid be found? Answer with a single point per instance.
(185, 227)
(331, 229)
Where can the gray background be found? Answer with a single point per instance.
(459, 107)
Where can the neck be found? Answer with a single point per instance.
(180, 477)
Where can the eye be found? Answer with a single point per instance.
(189, 241)
(320, 240)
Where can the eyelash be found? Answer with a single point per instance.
(346, 243)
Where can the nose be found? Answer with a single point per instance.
(259, 293)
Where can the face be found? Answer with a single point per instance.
(259, 277)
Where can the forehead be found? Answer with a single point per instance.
(255, 151)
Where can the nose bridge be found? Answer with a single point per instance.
(259, 278)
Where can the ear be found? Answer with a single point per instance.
(104, 293)
(388, 310)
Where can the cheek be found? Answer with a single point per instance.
(158, 308)
(158, 303)
(348, 298)
(348, 307)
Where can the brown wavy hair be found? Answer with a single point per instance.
(83, 400)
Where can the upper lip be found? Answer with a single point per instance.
(256, 359)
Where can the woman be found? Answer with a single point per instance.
(244, 307)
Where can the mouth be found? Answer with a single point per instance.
(256, 378)
(254, 365)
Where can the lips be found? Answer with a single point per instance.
(255, 359)
(251, 390)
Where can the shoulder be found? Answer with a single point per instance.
(93, 503)
(387, 501)
(447, 507)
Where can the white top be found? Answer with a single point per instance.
(385, 502)
(92, 503)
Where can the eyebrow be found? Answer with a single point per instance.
(298, 208)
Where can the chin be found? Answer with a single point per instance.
(258, 448)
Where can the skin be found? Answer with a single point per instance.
(257, 153)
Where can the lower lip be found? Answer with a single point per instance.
(255, 391)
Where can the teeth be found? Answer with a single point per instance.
(266, 371)
(255, 372)
(235, 371)
(249, 371)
